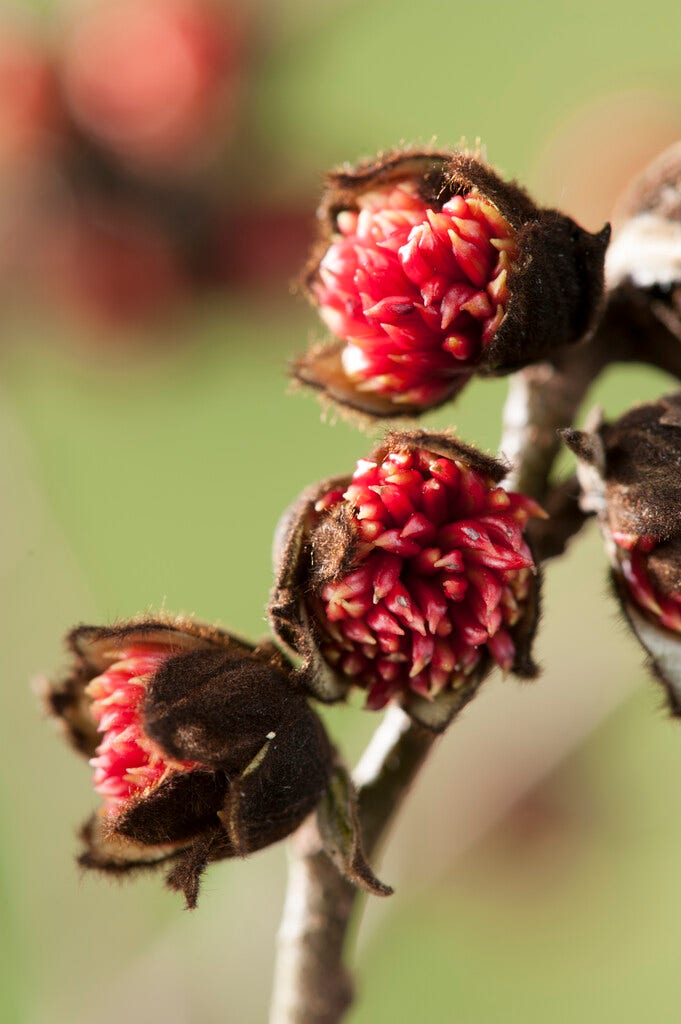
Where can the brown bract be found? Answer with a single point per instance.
(260, 757)
(311, 551)
(630, 476)
(633, 468)
(642, 322)
(555, 285)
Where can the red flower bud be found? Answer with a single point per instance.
(652, 571)
(629, 472)
(200, 746)
(432, 268)
(410, 579)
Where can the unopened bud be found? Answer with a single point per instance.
(201, 748)
(629, 471)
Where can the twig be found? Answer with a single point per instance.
(312, 986)
(550, 537)
(542, 399)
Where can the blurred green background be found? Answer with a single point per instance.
(536, 868)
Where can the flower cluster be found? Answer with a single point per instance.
(413, 577)
(430, 268)
(201, 747)
(410, 579)
(416, 293)
(629, 476)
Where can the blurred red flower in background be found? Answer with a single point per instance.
(156, 81)
(30, 113)
(122, 199)
(110, 265)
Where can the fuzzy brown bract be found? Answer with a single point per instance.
(637, 460)
(642, 321)
(630, 473)
(247, 758)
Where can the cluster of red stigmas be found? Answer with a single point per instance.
(443, 575)
(417, 293)
(666, 608)
(127, 762)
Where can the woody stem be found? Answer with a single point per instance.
(541, 400)
(312, 985)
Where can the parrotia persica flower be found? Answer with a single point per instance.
(200, 746)
(430, 267)
(629, 472)
(410, 579)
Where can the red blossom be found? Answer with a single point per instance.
(633, 558)
(442, 576)
(430, 267)
(409, 579)
(127, 762)
(416, 292)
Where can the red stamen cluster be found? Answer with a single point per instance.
(444, 572)
(416, 292)
(127, 762)
(633, 551)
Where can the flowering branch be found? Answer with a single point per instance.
(312, 984)
(414, 576)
